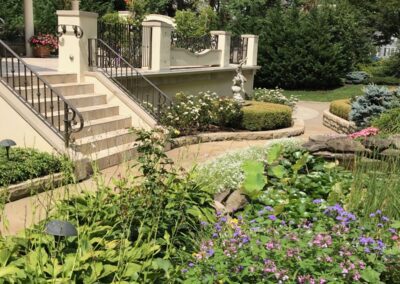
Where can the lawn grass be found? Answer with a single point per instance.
(344, 92)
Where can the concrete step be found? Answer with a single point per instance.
(67, 89)
(77, 101)
(89, 113)
(103, 125)
(114, 156)
(56, 78)
(91, 144)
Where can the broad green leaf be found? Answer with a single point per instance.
(163, 264)
(4, 256)
(300, 163)
(9, 270)
(107, 270)
(274, 153)
(370, 275)
(132, 270)
(254, 179)
(278, 171)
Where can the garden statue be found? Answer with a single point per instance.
(238, 83)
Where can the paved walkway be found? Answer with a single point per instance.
(24, 212)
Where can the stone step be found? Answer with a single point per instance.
(114, 156)
(103, 125)
(67, 89)
(54, 78)
(91, 144)
(88, 113)
(77, 101)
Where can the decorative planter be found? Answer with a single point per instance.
(41, 51)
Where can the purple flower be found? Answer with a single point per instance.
(191, 264)
(385, 219)
(379, 212)
(317, 201)
(366, 241)
(268, 208)
(272, 217)
(214, 235)
(218, 227)
(392, 230)
(210, 252)
(223, 219)
(380, 225)
(184, 270)
(372, 215)
(203, 223)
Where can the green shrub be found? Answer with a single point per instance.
(341, 108)
(384, 80)
(357, 77)
(25, 164)
(388, 122)
(274, 96)
(266, 116)
(376, 100)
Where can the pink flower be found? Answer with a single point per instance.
(370, 131)
(322, 240)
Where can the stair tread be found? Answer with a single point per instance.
(90, 108)
(99, 137)
(58, 85)
(114, 150)
(80, 96)
(105, 120)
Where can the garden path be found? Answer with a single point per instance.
(22, 213)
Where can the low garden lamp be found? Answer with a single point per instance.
(7, 143)
(60, 229)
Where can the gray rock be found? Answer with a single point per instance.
(235, 201)
(345, 145)
(335, 156)
(315, 146)
(395, 142)
(377, 143)
(219, 207)
(391, 153)
(220, 197)
(326, 138)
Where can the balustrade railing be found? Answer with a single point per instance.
(126, 39)
(38, 95)
(238, 51)
(194, 44)
(109, 61)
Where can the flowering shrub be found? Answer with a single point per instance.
(333, 247)
(190, 113)
(370, 131)
(273, 96)
(47, 40)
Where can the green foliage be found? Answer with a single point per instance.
(388, 122)
(137, 230)
(192, 24)
(274, 96)
(254, 179)
(375, 101)
(341, 108)
(266, 116)
(388, 81)
(26, 164)
(190, 114)
(325, 44)
(357, 77)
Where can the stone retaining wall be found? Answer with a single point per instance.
(296, 130)
(338, 124)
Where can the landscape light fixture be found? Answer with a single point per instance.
(60, 229)
(7, 143)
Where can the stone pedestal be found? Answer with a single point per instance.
(224, 44)
(73, 51)
(252, 50)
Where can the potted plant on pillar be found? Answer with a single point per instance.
(43, 44)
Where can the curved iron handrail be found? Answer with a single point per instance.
(13, 81)
(115, 66)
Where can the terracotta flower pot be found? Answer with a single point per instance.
(41, 51)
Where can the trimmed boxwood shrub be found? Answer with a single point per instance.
(266, 116)
(388, 122)
(25, 164)
(341, 108)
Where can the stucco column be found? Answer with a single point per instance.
(252, 49)
(224, 44)
(29, 27)
(160, 45)
(74, 51)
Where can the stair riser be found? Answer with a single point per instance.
(52, 79)
(95, 114)
(81, 102)
(106, 143)
(64, 91)
(115, 159)
(90, 130)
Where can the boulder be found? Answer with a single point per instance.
(221, 197)
(235, 201)
(345, 145)
(376, 143)
(312, 147)
(325, 138)
(395, 142)
(391, 153)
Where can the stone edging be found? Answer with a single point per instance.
(295, 130)
(27, 188)
(338, 124)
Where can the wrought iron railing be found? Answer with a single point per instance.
(126, 39)
(194, 44)
(238, 49)
(127, 77)
(38, 95)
